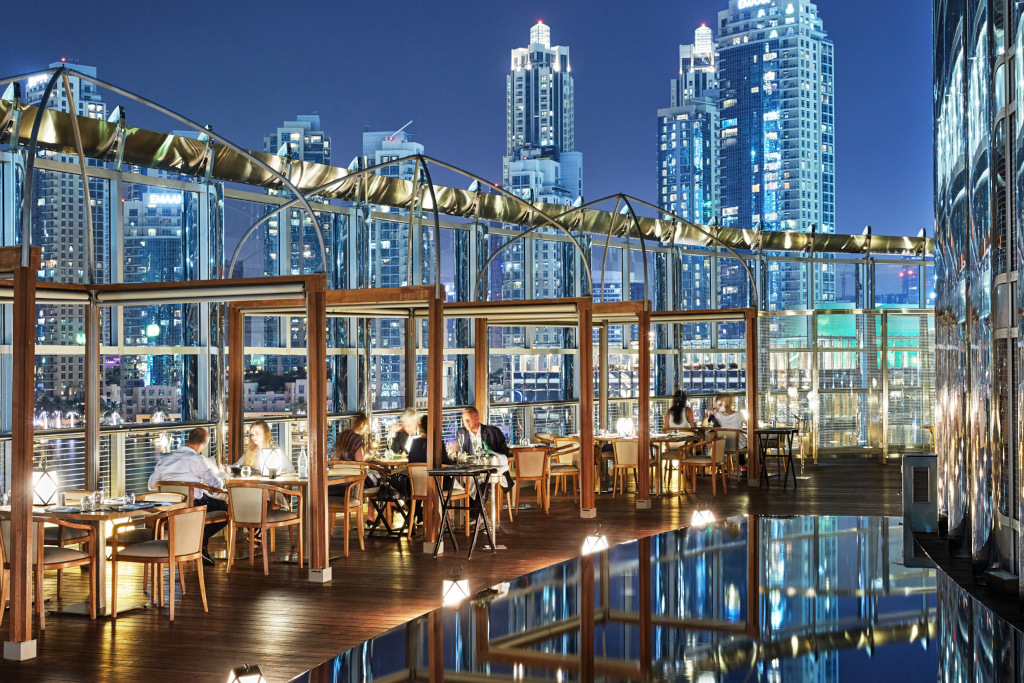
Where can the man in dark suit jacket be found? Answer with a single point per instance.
(473, 436)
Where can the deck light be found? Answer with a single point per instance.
(247, 673)
(701, 518)
(455, 589)
(595, 543)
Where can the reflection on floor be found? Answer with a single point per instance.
(747, 599)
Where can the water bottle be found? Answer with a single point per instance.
(303, 464)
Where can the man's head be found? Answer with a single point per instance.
(471, 419)
(197, 439)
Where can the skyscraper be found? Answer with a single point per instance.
(777, 127)
(59, 227)
(540, 141)
(291, 246)
(687, 132)
(390, 261)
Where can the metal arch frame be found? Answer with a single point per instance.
(30, 163)
(422, 162)
(699, 228)
(181, 119)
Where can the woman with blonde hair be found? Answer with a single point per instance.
(261, 438)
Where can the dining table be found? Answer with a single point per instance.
(335, 475)
(661, 439)
(110, 510)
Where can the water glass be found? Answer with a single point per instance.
(246, 471)
(88, 503)
(129, 499)
(5, 498)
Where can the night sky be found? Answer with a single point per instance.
(244, 67)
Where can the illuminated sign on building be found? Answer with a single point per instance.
(747, 4)
(162, 199)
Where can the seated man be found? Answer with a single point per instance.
(475, 438)
(187, 464)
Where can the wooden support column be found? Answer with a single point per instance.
(410, 360)
(20, 644)
(482, 370)
(586, 602)
(602, 372)
(643, 472)
(236, 383)
(645, 607)
(753, 456)
(588, 509)
(316, 416)
(435, 442)
(93, 373)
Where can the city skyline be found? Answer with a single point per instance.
(621, 63)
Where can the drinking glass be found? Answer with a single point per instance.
(5, 498)
(246, 471)
(129, 499)
(88, 503)
(525, 441)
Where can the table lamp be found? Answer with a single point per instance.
(624, 426)
(44, 486)
(247, 673)
(271, 459)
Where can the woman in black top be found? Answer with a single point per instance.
(418, 451)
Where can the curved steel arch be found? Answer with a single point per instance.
(30, 163)
(224, 141)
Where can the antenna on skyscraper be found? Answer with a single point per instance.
(392, 136)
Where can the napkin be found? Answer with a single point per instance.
(140, 506)
(68, 509)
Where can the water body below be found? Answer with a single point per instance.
(746, 599)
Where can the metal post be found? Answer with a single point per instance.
(884, 403)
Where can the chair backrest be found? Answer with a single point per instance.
(355, 493)
(247, 502)
(184, 488)
(167, 497)
(5, 540)
(531, 463)
(568, 451)
(625, 452)
(546, 438)
(419, 480)
(75, 497)
(718, 450)
(186, 527)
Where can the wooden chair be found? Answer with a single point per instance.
(534, 465)
(44, 558)
(348, 505)
(144, 530)
(733, 450)
(249, 508)
(708, 454)
(545, 439)
(670, 455)
(64, 536)
(566, 465)
(626, 458)
(184, 543)
(188, 489)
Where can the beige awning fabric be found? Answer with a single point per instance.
(190, 156)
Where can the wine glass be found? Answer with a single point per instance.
(246, 471)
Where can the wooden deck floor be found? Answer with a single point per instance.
(287, 625)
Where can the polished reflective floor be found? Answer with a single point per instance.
(746, 599)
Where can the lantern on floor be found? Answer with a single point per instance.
(44, 486)
(455, 589)
(595, 543)
(271, 460)
(247, 673)
(624, 426)
(701, 518)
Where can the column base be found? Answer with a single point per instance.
(588, 513)
(428, 547)
(321, 575)
(643, 504)
(19, 651)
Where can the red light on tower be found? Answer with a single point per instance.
(63, 59)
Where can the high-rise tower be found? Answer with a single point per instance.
(540, 143)
(777, 132)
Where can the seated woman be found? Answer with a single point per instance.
(260, 439)
(727, 418)
(350, 446)
(403, 432)
(680, 415)
(418, 449)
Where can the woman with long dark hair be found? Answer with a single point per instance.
(680, 415)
